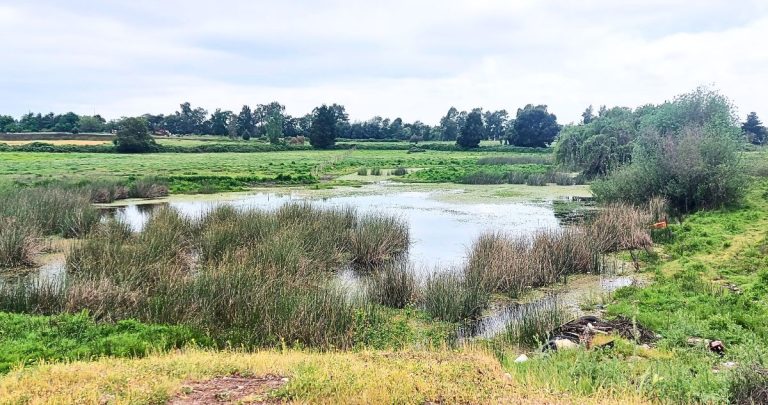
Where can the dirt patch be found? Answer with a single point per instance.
(232, 389)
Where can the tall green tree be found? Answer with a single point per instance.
(449, 125)
(323, 131)
(534, 126)
(245, 123)
(588, 115)
(495, 124)
(472, 131)
(274, 128)
(754, 129)
(133, 136)
(218, 122)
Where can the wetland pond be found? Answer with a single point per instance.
(443, 223)
(441, 227)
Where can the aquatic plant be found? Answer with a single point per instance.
(18, 243)
(393, 285)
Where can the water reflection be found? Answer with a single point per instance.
(440, 231)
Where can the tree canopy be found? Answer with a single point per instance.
(754, 130)
(472, 132)
(322, 132)
(534, 126)
(133, 136)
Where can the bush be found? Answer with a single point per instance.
(362, 171)
(400, 171)
(748, 386)
(698, 169)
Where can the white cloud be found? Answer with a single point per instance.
(412, 59)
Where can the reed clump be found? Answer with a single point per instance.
(19, 244)
(454, 296)
(51, 210)
(533, 323)
(245, 277)
(512, 264)
(393, 285)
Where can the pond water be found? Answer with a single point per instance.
(441, 231)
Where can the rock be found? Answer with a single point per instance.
(508, 376)
(645, 347)
(563, 344)
(521, 359)
(697, 341)
(729, 365)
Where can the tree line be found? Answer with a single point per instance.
(533, 125)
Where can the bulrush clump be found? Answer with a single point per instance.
(244, 276)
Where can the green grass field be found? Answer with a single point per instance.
(232, 171)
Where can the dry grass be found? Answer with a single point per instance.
(79, 142)
(513, 264)
(338, 378)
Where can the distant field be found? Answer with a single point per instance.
(59, 142)
(186, 171)
(54, 136)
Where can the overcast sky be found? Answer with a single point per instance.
(395, 58)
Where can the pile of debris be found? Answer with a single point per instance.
(592, 331)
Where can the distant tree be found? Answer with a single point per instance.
(245, 122)
(342, 119)
(754, 130)
(588, 115)
(91, 123)
(218, 122)
(495, 123)
(232, 126)
(30, 122)
(322, 133)
(133, 136)
(262, 114)
(415, 139)
(472, 131)
(534, 127)
(274, 128)
(66, 122)
(7, 124)
(449, 126)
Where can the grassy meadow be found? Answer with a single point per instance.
(196, 172)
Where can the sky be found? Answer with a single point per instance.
(412, 59)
